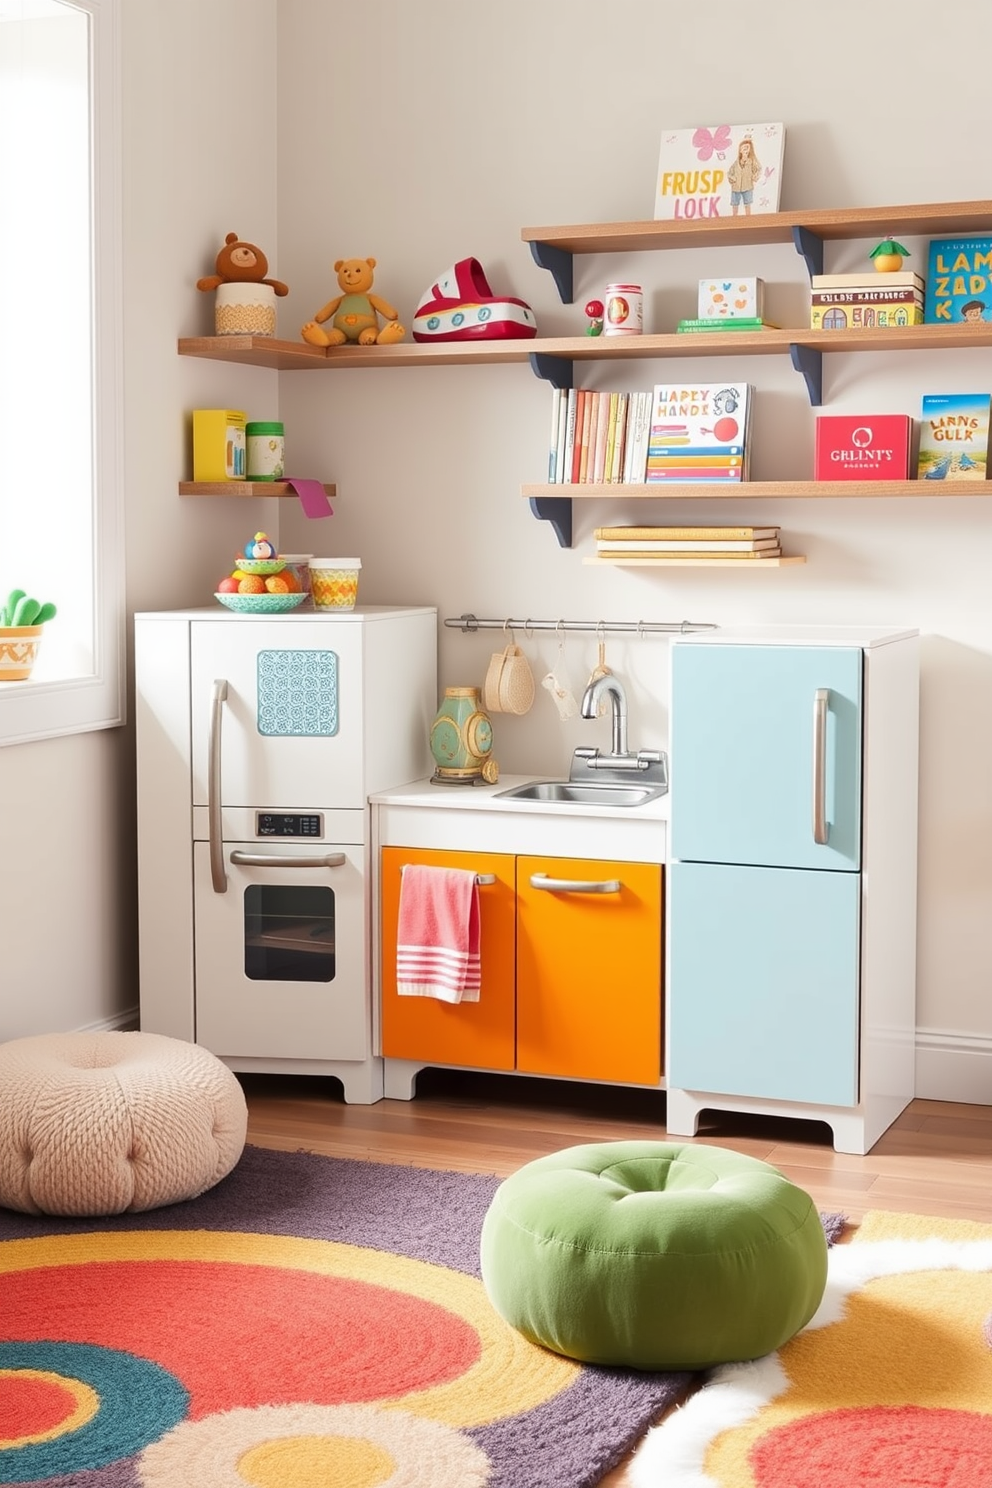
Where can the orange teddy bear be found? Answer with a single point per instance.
(355, 311)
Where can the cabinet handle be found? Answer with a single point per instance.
(821, 702)
(215, 833)
(273, 860)
(575, 885)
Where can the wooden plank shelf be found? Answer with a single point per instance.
(941, 219)
(758, 490)
(641, 561)
(242, 488)
(297, 356)
(289, 356)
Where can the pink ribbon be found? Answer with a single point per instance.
(313, 498)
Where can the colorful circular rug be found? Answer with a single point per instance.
(888, 1386)
(310, 1322)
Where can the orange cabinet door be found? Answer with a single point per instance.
(480, 1034)
(589, 970)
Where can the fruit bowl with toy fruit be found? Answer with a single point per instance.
(261, 583)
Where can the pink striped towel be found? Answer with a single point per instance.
(438, 941)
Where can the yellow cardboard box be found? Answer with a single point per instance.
(846, 316)
(218, 444)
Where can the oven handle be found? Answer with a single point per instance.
(215, 834)
(271, 860)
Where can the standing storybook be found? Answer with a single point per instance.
(954, 436)
(719, 170)
(959, 281)
(699, 433)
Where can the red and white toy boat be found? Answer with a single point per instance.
(462, 307)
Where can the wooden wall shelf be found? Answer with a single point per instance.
(832, 224)
(553, 247)
(289, 356)
(297, 356)
(735, 563)
(759, 490)
(242, 489)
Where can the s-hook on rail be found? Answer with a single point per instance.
(469, 623)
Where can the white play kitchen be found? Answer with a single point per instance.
(260, 739)
(745, 939)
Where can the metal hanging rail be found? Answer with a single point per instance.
(468, 623)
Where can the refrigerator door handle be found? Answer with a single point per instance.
(218, 877)
(821, 703)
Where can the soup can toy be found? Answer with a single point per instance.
(624, 314)
(265, 450)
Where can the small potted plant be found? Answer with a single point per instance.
(888, 256)
(21, 622)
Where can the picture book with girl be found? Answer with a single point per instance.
(719, 170)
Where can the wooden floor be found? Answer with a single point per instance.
(936, 1158)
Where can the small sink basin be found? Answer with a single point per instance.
(584, 793)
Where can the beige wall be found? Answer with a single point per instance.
(424, 133)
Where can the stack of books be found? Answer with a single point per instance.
(729, 323)
(688, 544)
(842, 302)
(734, 304)
(598, 438)
(699, 434)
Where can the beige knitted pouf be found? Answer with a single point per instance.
(113, 1123)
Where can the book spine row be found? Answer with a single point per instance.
(598, 438)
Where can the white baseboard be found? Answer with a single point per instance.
(950, 1066)
(953, 1066)
(128, 1019)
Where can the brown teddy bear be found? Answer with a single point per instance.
(355, 311)
(241, 263)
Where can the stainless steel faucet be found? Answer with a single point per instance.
(612, 687)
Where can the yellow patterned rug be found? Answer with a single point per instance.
(888, 1386)
(310, 1322)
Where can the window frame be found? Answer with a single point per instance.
(31, 710)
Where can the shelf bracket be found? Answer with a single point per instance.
(558, 262)
(558, 511)
(553, 369)
(809, 247)
(809, 361)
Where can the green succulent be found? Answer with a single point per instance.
(20, 609)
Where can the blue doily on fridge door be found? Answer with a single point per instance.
(297, 693)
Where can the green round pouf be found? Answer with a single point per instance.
(652, 1255)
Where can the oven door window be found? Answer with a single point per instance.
(289, 933)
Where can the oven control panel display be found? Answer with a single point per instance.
(288, 824)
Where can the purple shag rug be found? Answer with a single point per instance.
(570, 1440)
